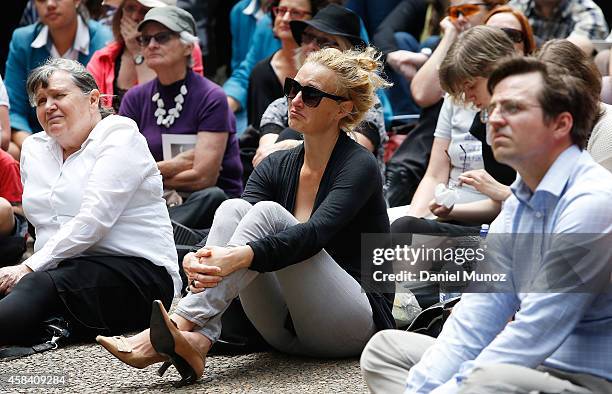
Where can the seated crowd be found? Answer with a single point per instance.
(113, 142)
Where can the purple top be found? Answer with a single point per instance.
(205, 109)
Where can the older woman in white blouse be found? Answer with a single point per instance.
(104, 248)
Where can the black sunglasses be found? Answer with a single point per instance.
(310, 96)
(161, 38)
(516, 36)
(321, 42)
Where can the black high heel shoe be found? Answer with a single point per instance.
(168, 341)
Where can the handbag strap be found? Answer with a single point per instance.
(57, 328)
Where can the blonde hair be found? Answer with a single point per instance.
(358, 75)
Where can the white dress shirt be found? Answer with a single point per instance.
(104, 199)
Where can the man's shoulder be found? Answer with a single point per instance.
(589, 179)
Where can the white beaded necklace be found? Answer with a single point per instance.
(167, 118)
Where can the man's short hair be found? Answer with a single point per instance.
(560, 92)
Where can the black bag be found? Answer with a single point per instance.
(55, 331)
(407, 166)
(431, 320)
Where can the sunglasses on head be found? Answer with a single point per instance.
(467, 10)
(161, 38)
(516, 36)
(310, 96)
(321, 42)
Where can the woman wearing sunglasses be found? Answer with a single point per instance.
(515, 25)
(180, 102)
(332, 27)
(266, 79)
(290, 246)
(462, 14)
(120, 65)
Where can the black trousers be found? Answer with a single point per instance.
(96, 295)
(412, 225)
(198, 211)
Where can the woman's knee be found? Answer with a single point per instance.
(269, 208)
(7, 219)
(408, 224)
(233, 207)
(37, 282)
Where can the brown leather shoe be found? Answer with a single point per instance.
(168, 341)
(120, 348)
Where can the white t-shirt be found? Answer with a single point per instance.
(464, 150)
(4, 99)
(106, 198)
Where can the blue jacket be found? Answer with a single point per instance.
(23, 58)
(263, 44)
(242, 28)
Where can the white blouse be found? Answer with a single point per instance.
(105, 199)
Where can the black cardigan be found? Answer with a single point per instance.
(349, 202)
(264, 87)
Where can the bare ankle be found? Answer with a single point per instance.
(182, 323)
(198, 341)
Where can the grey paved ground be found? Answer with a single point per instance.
(89, 369)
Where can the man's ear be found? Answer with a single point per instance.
(562, 125)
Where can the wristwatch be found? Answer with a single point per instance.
(138, 59)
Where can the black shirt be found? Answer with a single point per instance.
(264, 87)
(349, 202)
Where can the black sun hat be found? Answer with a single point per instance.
(333, 19)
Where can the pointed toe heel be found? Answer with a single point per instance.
(168, 341)
(120, 348)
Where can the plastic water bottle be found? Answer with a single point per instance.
(484, 230)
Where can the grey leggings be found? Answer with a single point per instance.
(331, 315)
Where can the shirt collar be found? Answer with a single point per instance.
(554, 180)
(253, 9)
(81, 41)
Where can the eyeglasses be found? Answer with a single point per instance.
(466, 10)
(161, 38)
(516, 36)
(294, 13)
(321, 42)
(506, 108)
(310, 96)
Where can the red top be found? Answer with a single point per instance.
(10, 180)
(102, 65)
